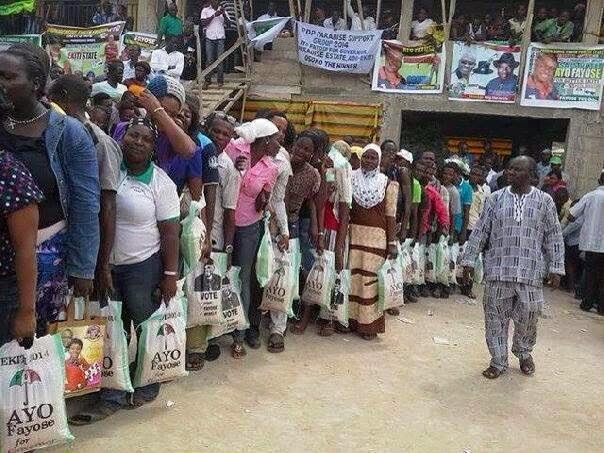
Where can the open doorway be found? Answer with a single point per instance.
(508, 135)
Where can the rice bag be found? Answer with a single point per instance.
(233, 314)
(453, 257)
(203, 289)
(442, 261)
(116, 365)
(317, 290)
(390, 285)
(277, 293)
(192, 236)
(418, 262)
(430, 275)
(339, 300)
(32, 407)
(404, 256)
(295, 256)
(265, 257)
(162, 342)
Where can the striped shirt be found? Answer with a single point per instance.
(520, 237)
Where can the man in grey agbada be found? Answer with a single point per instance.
(521, 241)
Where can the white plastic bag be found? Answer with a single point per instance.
(233, 314)
(443, 257)
(162, 342)
(296, 260)
(459, 268)
(192, 236)
(430, 268)
(339, 301)
(390, 284)
(317, 290)
(478, 270)
(418, 261)
(116, 365)
(453, 257)
(203, 289)
(32, 407)
(277, 295)
(406, 261)
(265, 256)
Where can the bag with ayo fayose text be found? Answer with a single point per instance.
(320, 280)
(390, 284)
(277, 295)
(116, 366)
(32, 407)
(161, 346)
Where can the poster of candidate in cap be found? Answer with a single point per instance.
(486, 71)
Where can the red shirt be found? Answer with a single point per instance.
(434, 206)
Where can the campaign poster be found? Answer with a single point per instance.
(146, 41)
(341, 51)
(563, 76)
(8, 40)
(485, 71)
(404, 68)
(84, 50)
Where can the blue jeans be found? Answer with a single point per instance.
(306, 246)
(8, 306)
(245, 248)
(134, 285)
(215, 48)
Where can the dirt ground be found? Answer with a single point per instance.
(402, 393)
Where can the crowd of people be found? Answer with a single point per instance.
(96, 177)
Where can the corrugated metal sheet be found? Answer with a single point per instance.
(338, 119)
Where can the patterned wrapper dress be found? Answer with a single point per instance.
(367, 253)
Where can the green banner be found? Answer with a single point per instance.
(8, 40)
(16, 6)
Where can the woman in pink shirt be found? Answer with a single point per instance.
(259, 174)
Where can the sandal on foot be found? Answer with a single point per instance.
(276, 343)
(369, 336)
(326, 329)
(393, 311)
(94, 414)
(238, 350)
(492, 372)
(195, 361)
(340, 328)
(527, 366)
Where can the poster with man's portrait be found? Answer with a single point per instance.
(565, 75)
(486, 71)
(401, 68)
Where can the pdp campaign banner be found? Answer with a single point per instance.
(340, 51)
(403, 68)
(262, 32)
(8, 40)
(84, 49)
(563, 76)
(485, 71)
(146, 41)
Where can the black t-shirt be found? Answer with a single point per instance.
(32, 153)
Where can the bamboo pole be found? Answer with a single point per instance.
(299, 13)
(526, 40)
(444, 12)
(344, 10)
(450, 21)
(307, 9)
(199, 70)
(360, 13)
(378, 13)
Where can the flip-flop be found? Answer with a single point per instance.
(238, 351)
(276, 343)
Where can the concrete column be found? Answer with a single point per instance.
(391, 120)
(404, 28)
(593, 19)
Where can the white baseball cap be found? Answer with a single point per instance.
(405, 155)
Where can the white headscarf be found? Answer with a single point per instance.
(369, 187)
(256, 129)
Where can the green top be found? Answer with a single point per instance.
(550, 29)
(144, 177)
(416, 192)
(170, 25)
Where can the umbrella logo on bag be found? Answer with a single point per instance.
(25, 378)
(164, 330)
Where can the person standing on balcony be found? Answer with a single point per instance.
(213, 19)
(170, 25)
(104, 14)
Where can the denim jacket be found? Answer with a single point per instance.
(73, 161)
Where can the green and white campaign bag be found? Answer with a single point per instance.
(453, 257)
(295, 256)
(478, 270)
(32, 406)
(233, 314)
(430, 272)
(320, 280)
(265, 256)
(390, 285)
(339, 301)
(116, 366)
(192, 236)
(203, 288)
(404, 256)
(277, 293)
(418, 262)
(459, 267)
(162, 343)
(441, 267)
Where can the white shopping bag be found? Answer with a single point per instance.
(32, 406)
(162, 343)
(390, 284)
(320, 280)
(116, 365)
(203, 289)
(233, 314)
(339, 301)
(277, 295)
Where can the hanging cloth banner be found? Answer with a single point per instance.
(563, 76)
(146, 41)
(84, 49)
(262, 32)
(340, 51)
(402, 68)
(484, 71)
(8, 40)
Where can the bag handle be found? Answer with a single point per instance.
(71, 309)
